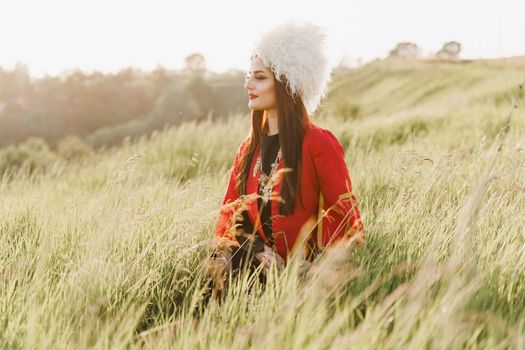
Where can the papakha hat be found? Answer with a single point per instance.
(297, 51)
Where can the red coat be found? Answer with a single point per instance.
(323, 169)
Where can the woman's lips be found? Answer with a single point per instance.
(252, 96)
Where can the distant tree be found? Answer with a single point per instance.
(405, 49)
(160, 79)
(15, 85)
(195, 64)
(450, 50)
(201, 92)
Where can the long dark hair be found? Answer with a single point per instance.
(292, 121)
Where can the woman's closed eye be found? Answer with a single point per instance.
(258, 78)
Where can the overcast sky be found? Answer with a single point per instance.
(51, 36)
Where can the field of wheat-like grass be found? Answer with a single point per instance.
(105, 251)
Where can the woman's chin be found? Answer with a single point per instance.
(255, 107)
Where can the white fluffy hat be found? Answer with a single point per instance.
(297, 51)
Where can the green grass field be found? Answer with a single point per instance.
(104, 251)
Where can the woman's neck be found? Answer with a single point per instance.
(273, 122)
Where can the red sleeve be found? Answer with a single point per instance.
(224, 221)
(342, 218)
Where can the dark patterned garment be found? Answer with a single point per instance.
(269, 148)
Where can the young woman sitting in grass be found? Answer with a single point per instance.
(289, 189)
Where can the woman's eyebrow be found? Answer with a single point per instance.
(257, 71)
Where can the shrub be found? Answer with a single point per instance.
(33, 155)
(73, 147)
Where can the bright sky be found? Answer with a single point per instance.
(54, 35)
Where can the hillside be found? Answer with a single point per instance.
(100, 248)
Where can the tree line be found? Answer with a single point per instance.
(102, 109)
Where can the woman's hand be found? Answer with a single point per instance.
(269, 257)
(219, 264)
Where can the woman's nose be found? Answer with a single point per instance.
(247, 84)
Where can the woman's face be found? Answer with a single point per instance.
(260, 86)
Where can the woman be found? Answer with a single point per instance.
(288, 168)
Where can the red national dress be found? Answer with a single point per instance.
(324, 170)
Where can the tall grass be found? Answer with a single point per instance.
(105, 251)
